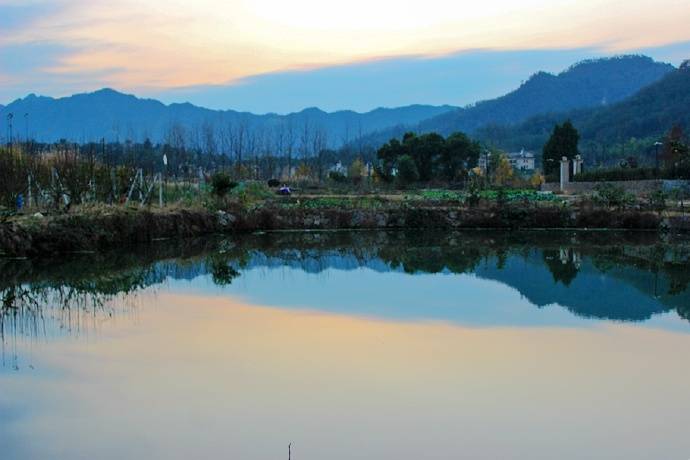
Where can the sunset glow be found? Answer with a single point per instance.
(134, 44)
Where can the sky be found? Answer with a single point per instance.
(280, 56)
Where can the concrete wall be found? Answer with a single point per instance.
(633, 186)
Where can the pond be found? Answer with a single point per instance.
(366, 345)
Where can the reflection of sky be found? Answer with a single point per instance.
(460, 298)
(213, 377)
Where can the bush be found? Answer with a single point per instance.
(273, 182)
(221, 184)
(338, 177)
(612, 196)
(473, 196)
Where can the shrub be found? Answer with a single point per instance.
(273, 182)
(612, 196)
(338, 177)
(221, 184)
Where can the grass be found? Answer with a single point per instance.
(329, 202)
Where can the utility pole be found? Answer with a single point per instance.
(290, 451)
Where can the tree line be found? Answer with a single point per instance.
(428, 157)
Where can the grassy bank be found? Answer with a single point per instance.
(105, 227)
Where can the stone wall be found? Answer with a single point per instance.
(632, 186)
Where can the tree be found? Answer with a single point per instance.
(562, 143)
(536, 179)
(675, 152)
(356, 170)
(434, 156)
(504, 171)
(460, 153)
(425, 151)
(407, 170)
(303, 171)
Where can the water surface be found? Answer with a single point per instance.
(351, 345)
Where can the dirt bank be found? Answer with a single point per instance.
(93, 231)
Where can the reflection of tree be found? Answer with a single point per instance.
(562, 265)
(684, 311)
(222, 272)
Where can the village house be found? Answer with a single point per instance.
(522, 161)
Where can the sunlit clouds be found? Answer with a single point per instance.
(135, 44)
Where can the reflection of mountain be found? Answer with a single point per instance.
(628, 278)
(620, 294)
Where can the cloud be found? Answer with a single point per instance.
(457, 79)
(54, 46)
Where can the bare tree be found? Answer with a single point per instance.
(289, 146)
(319, 143)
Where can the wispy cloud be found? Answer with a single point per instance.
(132, 44)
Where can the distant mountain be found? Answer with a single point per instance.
(520, 118)
(593, 83)
(115, 116)
(649, 113)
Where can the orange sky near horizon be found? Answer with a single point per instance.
(173, 43)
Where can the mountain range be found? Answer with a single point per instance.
(115, 116)
(621, 96)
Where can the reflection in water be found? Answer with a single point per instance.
(351, 345)
(627, 277)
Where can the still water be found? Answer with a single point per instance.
(351, 346)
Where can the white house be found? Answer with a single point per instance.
(522, 161)
(338, 168)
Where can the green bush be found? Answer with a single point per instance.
(338, 177)
(221, 184)
(612, 196)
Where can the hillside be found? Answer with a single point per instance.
(649, 113)
(113, 115)
(587, 84)
(593, 83)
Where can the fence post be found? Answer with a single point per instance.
(160, 190)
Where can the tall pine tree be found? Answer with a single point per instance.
(562, 143)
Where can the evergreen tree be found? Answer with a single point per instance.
(562, 143)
